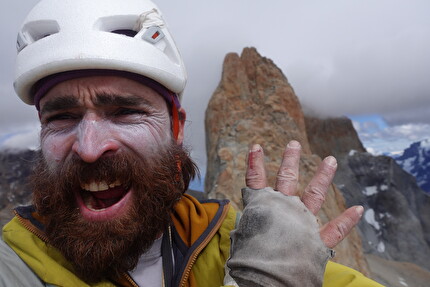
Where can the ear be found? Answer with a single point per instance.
(182, 118)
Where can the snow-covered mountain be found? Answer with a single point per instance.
(416, 161)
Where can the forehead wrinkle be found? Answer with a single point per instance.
(106, 99)
(60, 103)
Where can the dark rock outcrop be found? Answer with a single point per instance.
(396, 221)
(395, 224)
(332, 136)
(15, 167)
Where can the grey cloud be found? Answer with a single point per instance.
(393, 138)
(418, 115)
(342, 57)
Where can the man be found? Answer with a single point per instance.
(109, 208)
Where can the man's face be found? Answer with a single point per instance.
(98, 117)
(109, 173)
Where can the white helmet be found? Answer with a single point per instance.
(125, 35)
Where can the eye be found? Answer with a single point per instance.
(128, 111)
(60, 121)
(129, 115)
(60, 117)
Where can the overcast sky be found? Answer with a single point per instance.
(357, 57)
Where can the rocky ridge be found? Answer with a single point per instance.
(332, 136)
(15, 167)
(395, 224)
(254, 103)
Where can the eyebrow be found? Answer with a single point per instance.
(59, 103)
(106, 99)
(103, 99)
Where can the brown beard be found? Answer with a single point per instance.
(107, 249)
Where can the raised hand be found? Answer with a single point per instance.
(314, 195)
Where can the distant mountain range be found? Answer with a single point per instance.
(416, 161)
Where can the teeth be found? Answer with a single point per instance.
(116, 183)
(93, 186)
(99, 186)
(103, 185)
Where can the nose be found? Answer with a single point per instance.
(94, 140)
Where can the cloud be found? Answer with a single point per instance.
(418, 114)
(341, 57)
(25, 138)
(391, 139)
(13, 113)
(386, 76)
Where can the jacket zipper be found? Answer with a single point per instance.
(197, 251)
(27, 225)
(130, 280)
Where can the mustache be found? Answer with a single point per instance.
(170, 166)
(110, 169)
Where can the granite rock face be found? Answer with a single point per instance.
(332, 136)
(396, 223)
(396, 220)
(255, 104)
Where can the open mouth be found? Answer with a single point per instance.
(101, 201)
(99, 196)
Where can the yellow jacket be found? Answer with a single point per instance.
(200, 235)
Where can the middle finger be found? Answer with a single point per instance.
(288, 174)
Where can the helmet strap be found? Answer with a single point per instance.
(175, 117)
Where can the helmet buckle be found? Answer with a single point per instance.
(153, 34)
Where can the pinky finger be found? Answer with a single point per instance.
(333, 232)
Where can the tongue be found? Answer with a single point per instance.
(104, 203)
(110, 193)
(107, 198)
